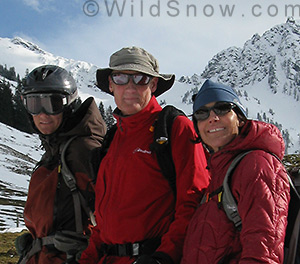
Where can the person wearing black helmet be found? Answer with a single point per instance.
(49, 93)
(57, 208)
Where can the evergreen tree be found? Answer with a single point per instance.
(12, 74)
(272, 79)
(109, 118)
(21, 118)
(6, 103)
(162, 102)
(102, 111)
(286, 138)
(259, 118)
(264, 117)
(26, 74)
(8, 74)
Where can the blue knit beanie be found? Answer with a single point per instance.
(216, 92)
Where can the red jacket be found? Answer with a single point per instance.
(134, 201)
(49, 208)
(261, 189)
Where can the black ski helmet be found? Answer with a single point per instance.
(50, 79)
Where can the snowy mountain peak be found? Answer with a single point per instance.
(27, 45)
(291, 20)
(266, 74)
(274, 54)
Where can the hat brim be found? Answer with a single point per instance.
(165, 81)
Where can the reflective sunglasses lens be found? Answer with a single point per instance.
(202, 114)
(219, 109)
(223, 108)
(123, 78)
(141, 79)
(33, 104)
(120, 78)
(56, 104)
(50, 104)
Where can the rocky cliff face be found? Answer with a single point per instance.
(267, 65)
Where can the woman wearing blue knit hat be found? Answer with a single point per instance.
(258, 184)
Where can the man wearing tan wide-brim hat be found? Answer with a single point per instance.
(140, 219)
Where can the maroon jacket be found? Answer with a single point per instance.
(261, 189)
(134, 201)
(49, 206)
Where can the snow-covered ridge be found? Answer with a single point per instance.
(265, 73)
(27, 45)
(274, 55)
(19, 153)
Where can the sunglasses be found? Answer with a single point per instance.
(123, 78)
(220, 109)
(50, 104)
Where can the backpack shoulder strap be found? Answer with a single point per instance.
(161, 144)
(228, 201)
(164, 122)
(78, 199)
(64, 169)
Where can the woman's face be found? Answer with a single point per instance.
(218, 130)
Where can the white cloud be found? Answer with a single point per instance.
(35, 4)
(40, 5)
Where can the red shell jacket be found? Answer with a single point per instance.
(50, 208)
(134, 201)
(261, 188)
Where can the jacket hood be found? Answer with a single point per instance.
(259, 136)
(86, 121)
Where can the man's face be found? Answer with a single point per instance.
(47, 124)
(131, 98)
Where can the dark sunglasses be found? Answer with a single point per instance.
(220, 109)
(50, 104)
(123, 78)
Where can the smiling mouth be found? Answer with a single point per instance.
(215, 130)
(44, 123)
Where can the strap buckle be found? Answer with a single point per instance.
(128, 249)
(135, 249)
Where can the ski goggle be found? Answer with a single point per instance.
(220, 109)
(123, 78)
(50, 104)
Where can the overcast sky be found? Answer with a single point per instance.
(182, 34)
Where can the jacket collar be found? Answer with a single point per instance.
(255, 135)
(143, 118)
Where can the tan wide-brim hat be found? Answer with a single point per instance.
(134, 59)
